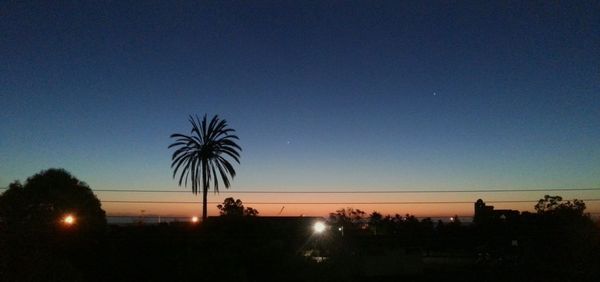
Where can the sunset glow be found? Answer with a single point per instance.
(353, 98)
(300, 140)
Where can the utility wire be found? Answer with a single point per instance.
(357, 192)
(354, 192)
(167, 217)
(330, 203)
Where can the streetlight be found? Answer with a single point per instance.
(319, 227)
(68, 220)
(195, 219)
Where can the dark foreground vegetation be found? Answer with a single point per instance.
(258, 249)
(38, 243)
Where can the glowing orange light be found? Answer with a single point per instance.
(195, 219)
(69, 219)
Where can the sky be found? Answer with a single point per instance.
(324, 95)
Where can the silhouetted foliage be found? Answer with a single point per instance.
(549, 248)
(36, 244)
(248, 211)
(348, 218)
(376, 222)
(375, 218)
(41, 203)
(554, 205)
(201, 155)
(233, 207)
(559, 240)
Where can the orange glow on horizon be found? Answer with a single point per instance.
(183, 205)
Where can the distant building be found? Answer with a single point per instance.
(485, 213)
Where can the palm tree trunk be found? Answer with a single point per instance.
(204, 190)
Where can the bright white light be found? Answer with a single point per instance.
(69, 219)
(340, 229)
(452, 219)
(319, 227)
(195, 219)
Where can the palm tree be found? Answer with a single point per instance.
(202, 155)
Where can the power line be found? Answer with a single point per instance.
(358, 192)
(342, 192)
(331, 203)
(355, 192)
(167, 217)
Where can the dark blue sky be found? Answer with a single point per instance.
(335, 94)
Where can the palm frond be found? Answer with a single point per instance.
(201, 157)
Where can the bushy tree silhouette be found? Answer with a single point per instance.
(349, 219)
(36, 242)
(554, 205)
(560, 239)
(233, 207)
(45, 199)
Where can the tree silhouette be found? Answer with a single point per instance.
(554, 205)
(201, 156)
(43, 201)
(348, 218)
(233, 207)
(375, 222)
(248, 211)
(563, 239)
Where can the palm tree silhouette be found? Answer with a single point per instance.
(203, 153)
